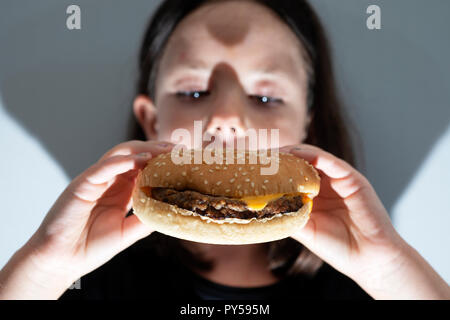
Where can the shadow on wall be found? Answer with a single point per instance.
(396, 82)
(71, 89)
(79, 109)
(69, 110)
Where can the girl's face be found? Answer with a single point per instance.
(234, 66)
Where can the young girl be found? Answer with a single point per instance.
(234, 65)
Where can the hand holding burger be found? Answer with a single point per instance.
(351, 230)
(86, 226)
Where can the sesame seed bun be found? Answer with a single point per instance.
(238, 178)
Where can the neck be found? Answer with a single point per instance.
(235, 265)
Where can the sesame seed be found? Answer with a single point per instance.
(290, 180)
(217, 167)
(253, 185)
(167, 174)
(240, 192)
(163, 163)
(157, 162)
(247, 180)
(211, 170)
(238, 186)
(227, 191)
(244, 173)
(183, 173)
(206, 181)
(201, 173)
(245, 191)
(252, 167)
(240, 168)
(195, 168)
(178, 183)
(235, 174)
(218, 183)
(302, 187)
(264, 187)
(266, 181)
(155, 175)
(232, 180)
(257, 192)
(225, 168)
(306, 178)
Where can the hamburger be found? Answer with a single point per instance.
(229, 202)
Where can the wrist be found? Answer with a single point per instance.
(406, 276)
(25, 277)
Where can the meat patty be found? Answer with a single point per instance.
(220, 207)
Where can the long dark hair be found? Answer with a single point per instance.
(328, 128)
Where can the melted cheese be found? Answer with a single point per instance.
(259, 202)
(147, 191)
(306, 198)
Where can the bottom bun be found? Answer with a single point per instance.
(180, 223)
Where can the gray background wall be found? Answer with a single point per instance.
(65, 99)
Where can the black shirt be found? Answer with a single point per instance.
(139, 273)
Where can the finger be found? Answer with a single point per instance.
(349, 185)
(136, 147)
(328, 204)
(91, 184)
(331, 165)
(109, 168)
(120, 192)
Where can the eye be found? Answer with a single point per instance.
(192, 95)
(266, 100)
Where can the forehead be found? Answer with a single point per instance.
(243, 34)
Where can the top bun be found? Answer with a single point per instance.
(231, 178)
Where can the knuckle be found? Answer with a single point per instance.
(123, 148)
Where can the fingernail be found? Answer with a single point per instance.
(164, 145)
(285, 149)
(145, 155)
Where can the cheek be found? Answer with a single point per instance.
(173, 115)
(290, 123)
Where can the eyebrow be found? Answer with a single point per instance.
(193, 65)
(282, 64)
(272, 69)
(269, 65)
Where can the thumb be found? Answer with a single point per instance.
(133, 230)
(305, 235)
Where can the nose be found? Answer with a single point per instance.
(226, 125)
(227, 118)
